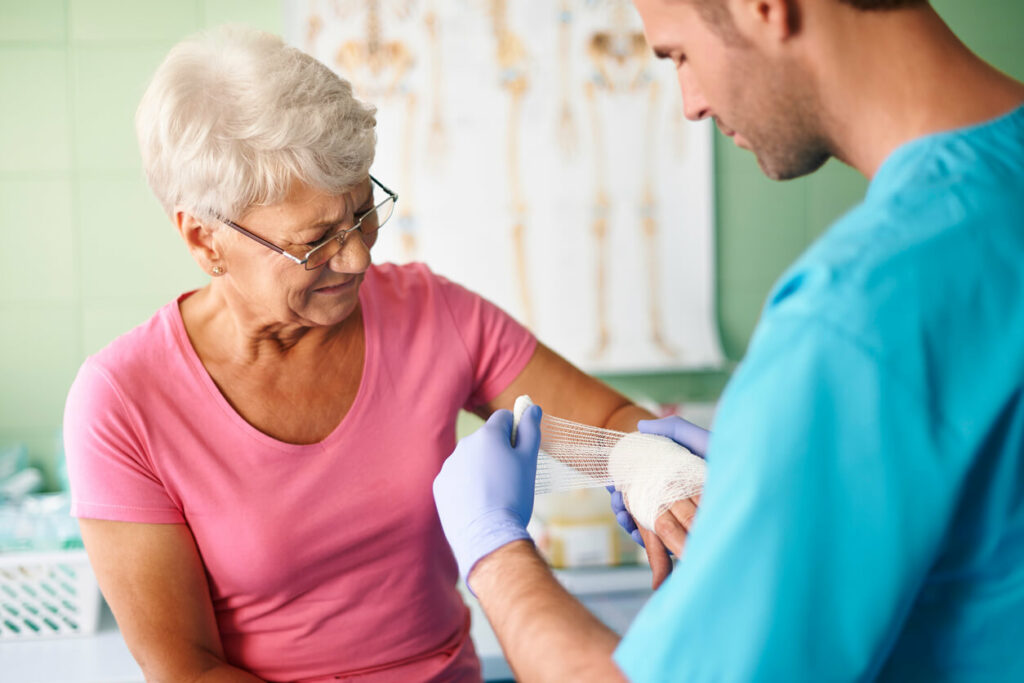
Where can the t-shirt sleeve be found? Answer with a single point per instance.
(829, 490)
(111, 475)
(498, 347)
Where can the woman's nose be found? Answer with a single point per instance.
(353, 257)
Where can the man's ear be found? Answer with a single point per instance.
(767, 23)
(198, 235)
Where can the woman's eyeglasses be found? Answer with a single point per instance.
(316, 255)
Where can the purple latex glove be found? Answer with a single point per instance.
(484, 492)
(623, 517)
(684, 433)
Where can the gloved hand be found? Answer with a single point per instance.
(484, 492)
(685, 434)
(623, 517)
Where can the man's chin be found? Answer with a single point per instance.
(796, 168)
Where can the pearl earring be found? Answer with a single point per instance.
(217, 271)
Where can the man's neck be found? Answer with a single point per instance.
(913, 77)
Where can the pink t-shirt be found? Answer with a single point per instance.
(324, 560)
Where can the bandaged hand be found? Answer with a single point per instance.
(484, 492)
(673, 526)
(674, 523)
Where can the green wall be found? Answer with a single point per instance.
(87, 253)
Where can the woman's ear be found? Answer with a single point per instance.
(198, 234)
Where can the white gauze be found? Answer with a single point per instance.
(651, 471)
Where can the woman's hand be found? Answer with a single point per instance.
(657, 553)
(672, 526)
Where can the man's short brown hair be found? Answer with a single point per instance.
(716, 15)
(883, 4)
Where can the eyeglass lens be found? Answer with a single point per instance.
(368, 226)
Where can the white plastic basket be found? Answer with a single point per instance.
(47, 595)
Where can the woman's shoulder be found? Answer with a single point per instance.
(409, 282)
(147, 347)
(415, 274)
(418, 297)
(131, 366)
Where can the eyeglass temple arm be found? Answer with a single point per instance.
(394, 195)
(251, 235)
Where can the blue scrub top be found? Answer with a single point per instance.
(864, 509)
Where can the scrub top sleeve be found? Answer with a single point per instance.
(828, 492)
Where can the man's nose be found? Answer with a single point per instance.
(695, 107)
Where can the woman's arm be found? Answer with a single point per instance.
(565, 391)
(153, 579)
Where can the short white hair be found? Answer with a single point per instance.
(234, 116)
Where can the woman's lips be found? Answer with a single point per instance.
(337, 289)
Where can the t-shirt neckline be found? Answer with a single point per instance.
(203, 376)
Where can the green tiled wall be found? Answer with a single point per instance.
(87, 253)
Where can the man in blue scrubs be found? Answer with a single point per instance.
(863, 515)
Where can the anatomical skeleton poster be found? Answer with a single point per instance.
(542, 159)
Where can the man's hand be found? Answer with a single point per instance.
(484, 493)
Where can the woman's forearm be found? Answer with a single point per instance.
(225, 673)
(625, 417)
(192, 666)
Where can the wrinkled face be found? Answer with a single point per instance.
(274, 288)
(766, 104)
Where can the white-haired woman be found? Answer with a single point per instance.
(224, 455)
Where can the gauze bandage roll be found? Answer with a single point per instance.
(651, 471)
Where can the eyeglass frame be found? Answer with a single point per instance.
(392, 197)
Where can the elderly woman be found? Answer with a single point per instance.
(223, 454)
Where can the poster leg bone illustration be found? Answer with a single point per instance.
(649, 216)
(512, 65)
(437, 141)
(620, 60)
(379, 70)
(567, 136)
